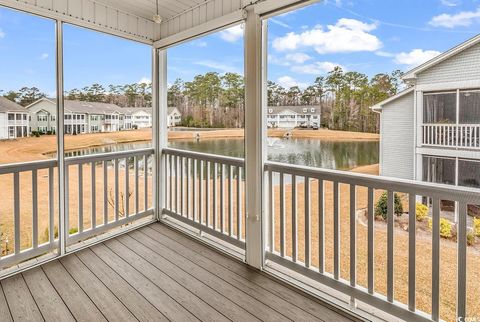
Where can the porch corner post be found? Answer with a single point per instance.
(255, 135)
(160, 131)
(60, 129)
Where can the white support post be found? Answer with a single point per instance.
(255, 80)
(160, 88)
(62, 206)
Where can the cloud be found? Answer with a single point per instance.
(272, 59)
(382, 53)
(450, 3)
(145, 80)
(225, 68)
(199, 43)
(298, 58)
(2, 34)
(287, 82)
(280, 23)
(461, 19)
(347, 35)
(315, 68)
(44, 56)
(415, 57)
(232, 34)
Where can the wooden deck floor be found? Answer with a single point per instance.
(153, 274)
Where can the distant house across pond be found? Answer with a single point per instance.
(13, 120)
(91, 117)
(293, 116)
(431, 131)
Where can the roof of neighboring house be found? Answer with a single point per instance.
(7, 105)
(92, 107)
(95, 107)
(378, 107)
(411, 74)
(296, 109)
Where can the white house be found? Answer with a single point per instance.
(431, 130)
(293, 116)
(13, 120)
(141, 117)
(174, 117)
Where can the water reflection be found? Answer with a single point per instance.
(310, 152)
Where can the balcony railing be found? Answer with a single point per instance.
(206, 192)
(117, 206)
(124, 203)
(307, 210)
(313, 183)
(451, 135)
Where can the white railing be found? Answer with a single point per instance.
(206, 192)
(36, 170)
(31, 227)
(318, 186)
(120, 206)
(451, 135)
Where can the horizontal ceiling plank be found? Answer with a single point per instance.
(90, 14)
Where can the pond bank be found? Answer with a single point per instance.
(33, 148)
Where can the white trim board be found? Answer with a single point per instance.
(451, 86)
(450, 153)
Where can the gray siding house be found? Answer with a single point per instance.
(91, 117)
(431, 131)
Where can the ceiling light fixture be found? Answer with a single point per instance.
(156, 17)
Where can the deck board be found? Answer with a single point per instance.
(20, 301)
(79, 304)
(300, 300)
(179, 293)
(136, 303)
(48, 301)
(201, 289)
(245, 300)
(4, 310)
(153, 274)
(260, 294)
(155, 295)
(101, 296)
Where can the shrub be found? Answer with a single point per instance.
(46, 234)
(421, 211)
(476, 226)
(445, 227)
(470, 238)
(381, 208)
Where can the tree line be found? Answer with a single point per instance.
(345, 98)
(215, 100)
(129, 95)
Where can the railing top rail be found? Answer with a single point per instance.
(27, 166)
(450, 124)
(206, 157)
(108, 156)
(442, 191)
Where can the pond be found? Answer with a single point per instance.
(340, 155)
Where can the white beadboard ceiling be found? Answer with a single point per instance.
(146, 8)
(132, 19)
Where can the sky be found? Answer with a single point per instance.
(368, 36)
